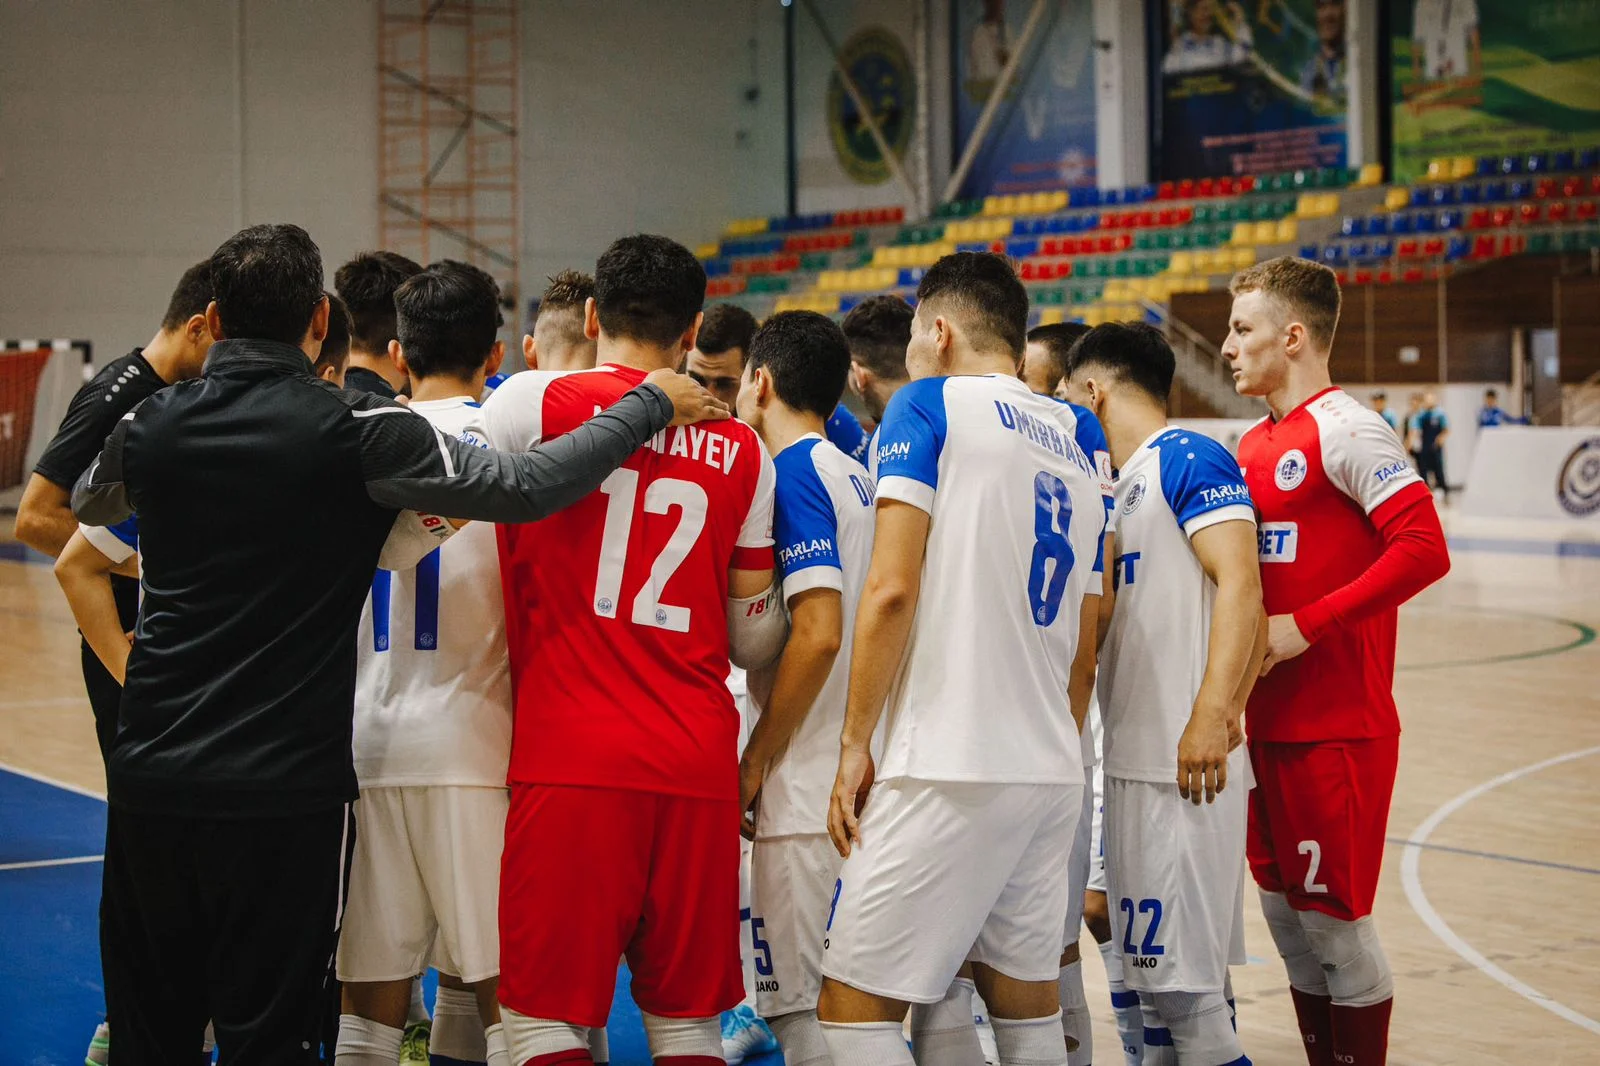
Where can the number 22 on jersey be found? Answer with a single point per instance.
(621, 491)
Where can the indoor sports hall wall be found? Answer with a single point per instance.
(136, 136)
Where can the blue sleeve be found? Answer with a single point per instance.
(1444, 421)
(845, 433)
(910, 439)
(127, 531)
(1198, 476)
(805, 528)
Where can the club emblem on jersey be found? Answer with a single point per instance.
(603, 606)
(1135, 495)
(1292, 470)
(1578, 487)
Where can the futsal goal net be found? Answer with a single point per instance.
(37, 381)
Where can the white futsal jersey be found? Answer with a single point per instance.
(1013, 545)
(1177, 483)
(433, 685)
(822, 529)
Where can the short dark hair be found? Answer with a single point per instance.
(267, 282)
(878, 329)
(448, 317)
(1490, 394)
(336, 345)
(567, 289)
(190, 298)
(648, 288)
(367, 284)
(1306, 289)
(808, 358)
(1131, 351)
(1057, 340)
(984, 291)
(1380, 395)
(726, 327)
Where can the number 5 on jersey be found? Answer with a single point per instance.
(621, 490)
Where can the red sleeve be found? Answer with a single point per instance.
(1414, 557)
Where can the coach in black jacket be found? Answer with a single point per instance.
(264, 498)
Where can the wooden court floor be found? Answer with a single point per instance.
(1490, 900)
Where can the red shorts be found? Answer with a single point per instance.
(1318, 815)
(593, 874)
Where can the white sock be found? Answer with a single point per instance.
(1125, 1004)
(418, 1014)
(208, 1043)
(800, 1036)
(457, 1028)
(600, 1045)
(1075, 1023)
(1158, 1048)
(943, 1033)
(531, 1037)
(866, 1044)
(685, 1037)
(496, 1053)
(1030, 1041)
(364, 1042)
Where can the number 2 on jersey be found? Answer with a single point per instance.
(621, 490)
(1052, 520)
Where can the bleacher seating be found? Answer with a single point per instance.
(1097, 255)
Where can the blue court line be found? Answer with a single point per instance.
(1568, 867)
(1583, 549)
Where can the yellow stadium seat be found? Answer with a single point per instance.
(1115, 289)
(1242, 233)
(1371, 174)
(1288, 231)
(1241, 258)
(1001, 229)
(1463, 166)
(991, 205)
(1305, 206)
(707, 251)
(1181, 263)
(1396, 199)
(1050, 316)
(1265, 233)
(1058, 200)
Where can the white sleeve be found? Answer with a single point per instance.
(107, 543)
(756, 531)
(1362, 456)
(514, 416)
(411, 538)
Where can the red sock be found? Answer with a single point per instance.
(1316, 1025)
(570, 1057)
(1361, 1034)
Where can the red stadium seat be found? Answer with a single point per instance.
(1434, 247)
(1226, 186)
(1479, 219)
(1572, 187)
(1545, 188)
(1342, 277)
(1483, 247)
(1050, 246)
(1064, 269)
(897, 214)
(1385, 276)
(1594, 184)
(1528, 213)
(1185, 215)
(1028, 270)
(1413, 274)
(1168, 217)
(1186, 189)
(1557, 212)
(1124, 242)
(998, 247)
(1166, 191)
(1501, 217)
(1363, 277)
(1406, 249)
(1513, 244)
(1146, 219)
(1247, 183)
(1206, 187)
(1585, 211)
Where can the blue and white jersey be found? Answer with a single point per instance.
(1013, 547)
(822, 531)
(433, 681)
(1177, 483)
(490, 383)
(846, 433)
(119, 543)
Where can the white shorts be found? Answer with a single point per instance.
(424, 884)
(791, 892)
(1078, 867)
(1175, 875)
(1097, 833)
(947, 872)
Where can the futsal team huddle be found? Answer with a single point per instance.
(447, 683)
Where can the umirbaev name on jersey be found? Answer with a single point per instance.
(1016, 522)
(822, 527)
(1176, 484)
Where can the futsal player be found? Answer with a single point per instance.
(558, 341)
(1044, 360)
(977, 629)
(366, 284)
(717, 359)
(1348, 532)
(878, 330)
(1177, 664)
(432, 729)
(623, 753)
(822, 529)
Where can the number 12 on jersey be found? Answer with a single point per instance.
(621, 490)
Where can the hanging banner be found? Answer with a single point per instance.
(1492, 77)
(1249, 89)
(1043, 135)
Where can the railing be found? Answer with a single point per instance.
(1202, 368)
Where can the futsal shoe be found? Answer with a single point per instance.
(100, 1047)
(744, 1034)
(414, 1045)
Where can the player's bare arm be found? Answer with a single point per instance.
(816, 632)
(1247, 683)
(1108, 593)
(883, 625)
(1228, 554)
(85, 576)
(1080, 680)
(44, 516)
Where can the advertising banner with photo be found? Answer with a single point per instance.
(839, 166)
(1492, 77)
(1249, 87)
(1043, 135)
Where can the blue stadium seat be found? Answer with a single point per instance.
(1511, 164)
(1060, 224)
(1310, 251)
(1459, 248)
(1494, 192)
(1488, 166)
(1426, 222)
(1469, 192)
(1147, 192)
(1401, 225)
(910, 277)
(1377, 225)
(1112, 196)
(972, 246)
(1333, 254)
(1383, 249)
(1450, 219)
(1027, 227)
(1420, 196)
(1563, 161)
(716, 268)
(1589, 159)
(1538, 163)
(1353, 227)
(1443, 194)
(1360, 250)
(1022, 249)
(1521, 189)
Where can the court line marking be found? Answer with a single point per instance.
(50, 701)
(52, 782)
(1586, 635)
(1411, 880)
(35, 864)
(1544, 863)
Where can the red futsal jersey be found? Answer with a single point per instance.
(1326, 479)
(616, 608)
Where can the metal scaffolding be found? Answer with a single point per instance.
(447, 120)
